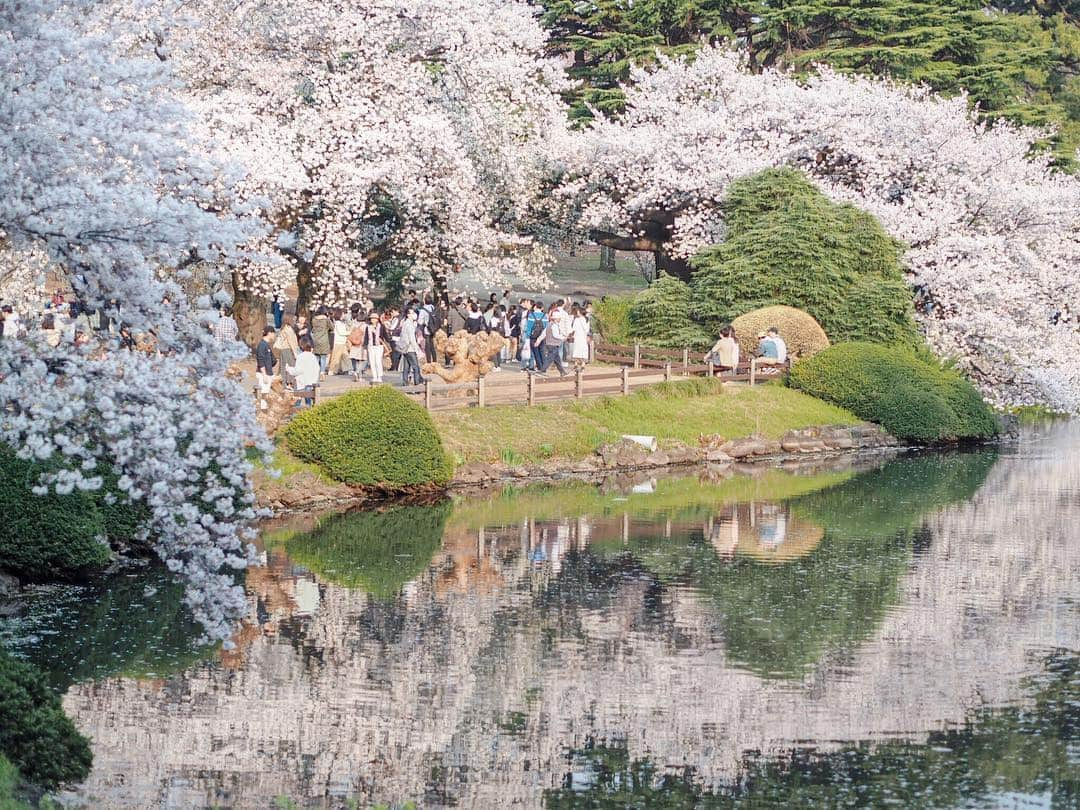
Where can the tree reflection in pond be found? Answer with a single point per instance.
(377, 552)
(781, 612)
(1019, 755)
(133, 623)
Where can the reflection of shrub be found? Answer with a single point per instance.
(912, 398)
(46, 536)
(377, 552)
(35, 734)
(787, 243)
(802, 334)
(612, 314)
(373, 437)
(660, 315)
(136, 626)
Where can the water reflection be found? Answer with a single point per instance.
(705, 636)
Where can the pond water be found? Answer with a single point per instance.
(865, 632)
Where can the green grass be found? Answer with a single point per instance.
(287, 464)
(679, 411)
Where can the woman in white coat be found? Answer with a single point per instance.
(579, 334)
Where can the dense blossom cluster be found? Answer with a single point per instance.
(992, 231)
(98, 180)
(378, 130)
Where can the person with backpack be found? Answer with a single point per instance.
(431, 318)
(357, 351)
(321, 330)
(455, 317)
(474, 320)
(535, 324)
(554, 337)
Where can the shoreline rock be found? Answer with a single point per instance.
(627, 455)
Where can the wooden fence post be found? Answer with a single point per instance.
(530, 384)
(579, 383)
(480, 391)
(712, 369)
(686, 357)
(427, 393)
(753, 371)
(625, 381)
(667, 371)
(637, 354)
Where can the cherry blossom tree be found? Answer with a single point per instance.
(379, 131)
(992, 231)
(99, 182)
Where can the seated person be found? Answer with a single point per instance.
(772, 349)
(725, 354)
(306, 371)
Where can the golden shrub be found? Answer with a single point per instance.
(802, 334)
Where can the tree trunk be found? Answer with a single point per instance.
(305, 284)
(249, 311)
(607, 259)
(671, 265)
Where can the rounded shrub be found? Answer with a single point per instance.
(787, 243)
(35, 734)
(660, 315)
(47, 536)
(913, 398)
(374, 437)
(802, 334)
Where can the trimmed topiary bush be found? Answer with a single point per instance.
(377, 552)
(660, 315)
(802, 334)
(373, 437)
(47, 536)
(35, 734)
(913, 398)
(787, 243)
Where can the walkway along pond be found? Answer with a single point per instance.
(868, 630)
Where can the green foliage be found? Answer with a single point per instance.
(372, 437)
(788, 244)
(377, 552)
(660, 315)
(47, 536)
(10, 782)
(604, 38)
(612, 314)
(913, 398)
(35, 734)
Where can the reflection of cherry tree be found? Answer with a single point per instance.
(379, 131)
(992, 232)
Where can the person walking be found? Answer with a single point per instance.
(579, 334)
(340, 349)
(277, 310)
(554, 338)
(392, 321)
(357, 351)
(532, 336)
(322, 328)
(287, 346)
(409, 350)
(264, 365)
(376, 339)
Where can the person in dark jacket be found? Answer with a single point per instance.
(264, 365)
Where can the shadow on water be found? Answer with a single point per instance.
(1022, 755)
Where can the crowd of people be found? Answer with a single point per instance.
(367, 345)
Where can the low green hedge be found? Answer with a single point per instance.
(913, 398)
(35, 734)
(47, 536)
(371, 437)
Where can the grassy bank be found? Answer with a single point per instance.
(679, 411)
